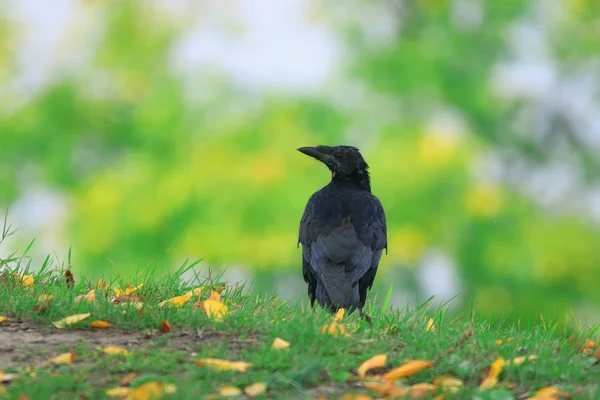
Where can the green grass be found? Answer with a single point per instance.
(315, 365)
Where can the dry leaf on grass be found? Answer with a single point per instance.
(230, 391)
(547, 393)
(70, 320)
(350, 396)
(147, 391)
(126, 298)
(215, 310)
(100, 324)
(448, 383)
(69, 278)
(115, 350)
(430, 326)
(165, 327)
(255, 389)
(26, 280)
(339, 315)
(492, 379)
(3, 319)
(44, 303)
(129, 289)
(7, 378)
(89, 296)
(334, 329)
(420, 390)
(280, 344)
(179, 301)
(377, 361)
(64, 358)
(223, 365)
(407, 369)
(102, 284)
(520, 360)
(387, 389)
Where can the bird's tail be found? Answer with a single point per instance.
(334, 291)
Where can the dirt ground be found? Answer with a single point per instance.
(24, 342)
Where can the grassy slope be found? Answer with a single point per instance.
(315, 365)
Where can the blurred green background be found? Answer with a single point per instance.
(145, 133)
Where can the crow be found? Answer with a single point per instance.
(343, 232)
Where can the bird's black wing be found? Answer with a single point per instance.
(348, 231)
(373, 232)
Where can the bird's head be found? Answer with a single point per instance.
(344, 162)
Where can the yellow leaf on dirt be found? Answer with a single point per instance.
(115, 350)
(255, 389)
(448, 383)
(118, 392)
(223, 365)
(150, 390)
(377, 361)
(127, 379)
(420, 390)
(89, 297)
(230, 391)
(520, 360)
(334, 329)
(387, 389)
(165, 327)
(339, 315)
(410, 368)
(215, 309)
(70, 320)
(430, 326)
(280, 344)
(64, 358)
(100, 324)
(3, 319)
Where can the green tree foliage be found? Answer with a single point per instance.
(155, 176)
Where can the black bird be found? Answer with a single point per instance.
(343, 232)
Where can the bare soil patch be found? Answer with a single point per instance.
(23, 342)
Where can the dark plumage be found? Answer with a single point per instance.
(343, 232)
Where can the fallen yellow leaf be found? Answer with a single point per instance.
(150, 390)
(230, 391)
(387, 389)
(223, 365)
(129, 289)
(279, 344)
(70, 320)
(495, 370)
(127, 379)
(448, 383)
(26, 280)
(430, 326)
(102, 284)
(334, 329)
(115, 350)
(339, 315)
(100, 324)
(214, 296)
(547, 393)
(215, 309)
(64, 358)
(255, 389)
(377, 361)
(178, 301)
(350, 396)
(488, 383)
(420, 390)
(410, 368)
(118, 392)
(3, 319)
(520, 360)
(89, 297)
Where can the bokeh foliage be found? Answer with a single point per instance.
(155, 174)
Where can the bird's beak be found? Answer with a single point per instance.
(315, 153)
